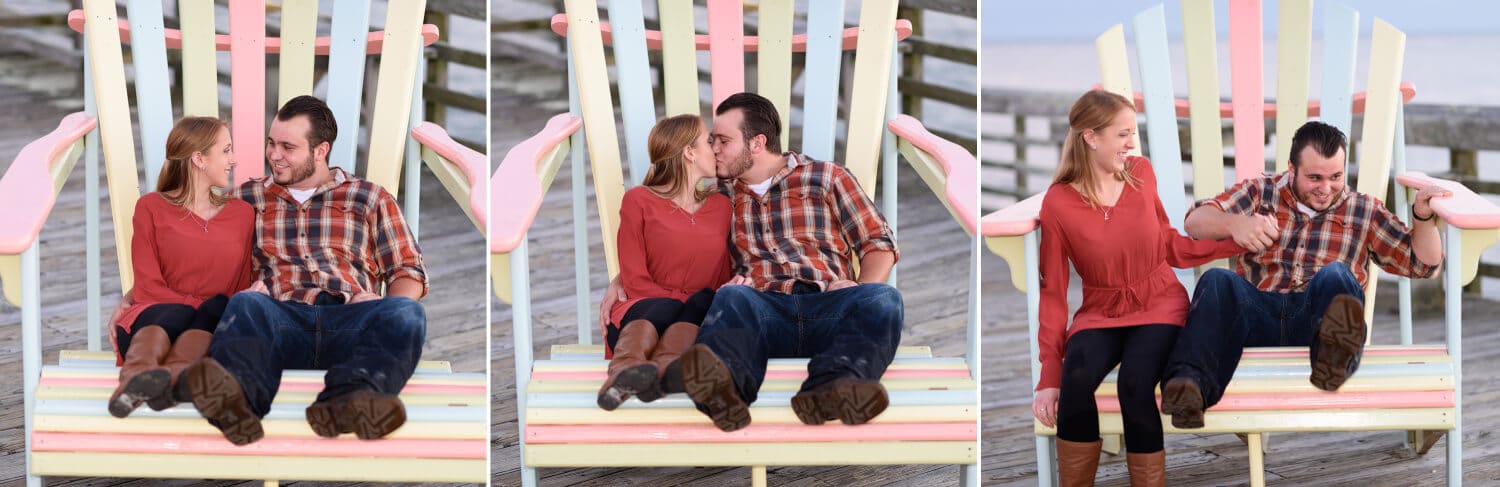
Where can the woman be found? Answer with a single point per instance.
(1102, 213)
(191, 248)
(673, 250)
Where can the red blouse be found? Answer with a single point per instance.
(176, 261)
(1125, 263)
(666, 252)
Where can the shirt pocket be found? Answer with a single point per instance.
(813, 222)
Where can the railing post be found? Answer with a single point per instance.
(1021, 173)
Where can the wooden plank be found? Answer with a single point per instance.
(1294, 61)
(200, 73)
(108, 68)
(1246, 90)
(726, 41)
(336, 450)
(597, 351)
(1279, 421)
(1114, 72)
(398, 72)
(679, 57)
(293, 396)
(247, 66)
(900, 363)
(148, 52)
(770, 384)
(702, 433)
(1340, 41)
(597, 107)
(299, 26)
(773, 63)
(346, 76)
(222, 467)
(867, 102)
(825, 25)
(1156, 88)
(633, 70)
(760, 415)
(710, 454)
(1200, 43)
(766, 400)
(1388, 49)
(1300, 384)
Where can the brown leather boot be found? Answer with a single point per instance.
(368, 414)
(190, 346)
(673, 343)
(1336, 351)
(220, 399)
(141, 376)
(1077, 462)
(847, 399)
(1147, 469)
(630, 372)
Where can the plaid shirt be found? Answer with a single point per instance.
(1353, 230)
(809, 227)
(348, 238)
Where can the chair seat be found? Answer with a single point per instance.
(445, 438)
(932, 419)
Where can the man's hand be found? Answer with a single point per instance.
(1422, 202)
(1044, 407)
(363, 296)
(615, 293)
(257, 287)
(841, 284)
(736, 281)
(1257, 232)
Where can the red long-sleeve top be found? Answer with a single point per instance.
(665, 252)
(1125, 263)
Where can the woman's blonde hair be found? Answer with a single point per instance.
(668, 167)
(1093, 111)
(189, 135)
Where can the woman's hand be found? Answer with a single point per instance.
(613, 294)
(257, 287)
(125, 302)
(736, 281)
(1044, 407)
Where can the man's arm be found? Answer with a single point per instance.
(1253, 232)
(1426, 241)
(405, 287)
(875, 266)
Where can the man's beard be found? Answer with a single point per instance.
(299, 172)
(738, 166)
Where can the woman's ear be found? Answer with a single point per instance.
(689, 153)
(197, 160)
(1091, 138)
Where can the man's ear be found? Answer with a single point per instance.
(758, 143)
(321, 151)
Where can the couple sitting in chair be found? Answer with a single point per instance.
(764, 263)
(1304, 243)
(283, 273)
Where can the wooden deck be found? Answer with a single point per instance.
(454, 252)
(1354, 458)
(935, 260)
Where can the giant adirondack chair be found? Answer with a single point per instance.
(1415, 388)
(933, 412)
(67, 430)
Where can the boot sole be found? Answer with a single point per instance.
(1340, 340)
(218, 397)
(637, 381)
(1184, 401)
(849, 402)
(143, 387)
(708, 382)
(368, 416)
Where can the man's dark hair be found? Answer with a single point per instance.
(760, 118)
(321, 126)
(1324, 138)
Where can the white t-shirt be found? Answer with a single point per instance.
(762, 187)
(302, 194)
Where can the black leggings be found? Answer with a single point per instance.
(1141, 352)
(174, 319)
(662, 313)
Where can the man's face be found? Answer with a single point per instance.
(288, 151)
(1318, 181)
(731, 152)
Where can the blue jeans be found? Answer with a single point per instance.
(1229, 314)
(369, 345)
(851, 332)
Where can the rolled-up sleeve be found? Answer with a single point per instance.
(1242, 199)
(863, 225)
(396, 248)
(1390, 246)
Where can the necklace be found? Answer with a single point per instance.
(692, 219)
(1107, 209)
(198, 221)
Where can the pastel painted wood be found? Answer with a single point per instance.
(1245, 88)
(1114, 74)
(632, 69)
(398, 67)
(247, 68)
(867, 103)
(1293, 65)
(825, 20)
(774, 61)
(1198, 40)
(114, 126)
(200, 72)
(1156, 86)
(726, 34)
(148, 52)
(679, 57)
(346, 70)
(592, 77)
(1340, 28)
(298, 30)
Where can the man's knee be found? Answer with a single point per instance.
(880, 297)
(402, 311)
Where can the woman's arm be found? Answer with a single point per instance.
(1053, 314)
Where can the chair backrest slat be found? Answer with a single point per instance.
(586, 47)
(1294, 61)
(1246, 88)
(247, 86)
(867, 102)
(200, 72)
(1388, 50)
(346, 76)
(679, 57)
(633, 70)
(1199, 41)
(399, 56)
(108, 69)
(1114, 73)
(148, 50)
(825, 30)
(773, 63)
(299, 28)
(1340, 31)
(1161, 110)
(726, 48)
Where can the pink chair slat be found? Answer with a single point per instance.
(1253, 353)
(1014, 220)
(247, 86)
(1315, 400)
(752, 43)
(1314, 107)
(677, 433)
(273, 44)
(600, 375)
(518, 187)
(726, 47)
(961, 168)
(1246, 88)
(1464, 209)
(474, 164)
(285, 385)
(27, 192)
(345, 446)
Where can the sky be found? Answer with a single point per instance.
(1055, 20)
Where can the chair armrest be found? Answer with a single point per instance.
(1014, 220)
(521, 181)
(1464, 209)
(29, 187)
(951, 171)
(456, 161)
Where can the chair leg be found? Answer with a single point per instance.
(1046, 463)
(1420, 441)
(1257, 461)
(968, 475)
(758, 476)
(1265, 441)
(271, 483)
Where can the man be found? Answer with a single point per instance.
(325, 243)
(1310, 241)
(799, 226)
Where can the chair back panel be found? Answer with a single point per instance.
(1199, 39)
(1246, 89)
(591, 77)
(679, 56)
(299, 29)
(346, 72)
(633, 69)
(1293, 67)
(200, 72)
(820, 85)
(1114, 72)
(1387, 55)
(726, 48)
(247, 86)
(108, 68)
(873, 58)
(1340, 31)
(1156, 89)
(773, 60)
(391, 120)
(148, 51)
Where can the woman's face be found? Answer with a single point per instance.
(700, 155)
(218, 160)
(1113, 143)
